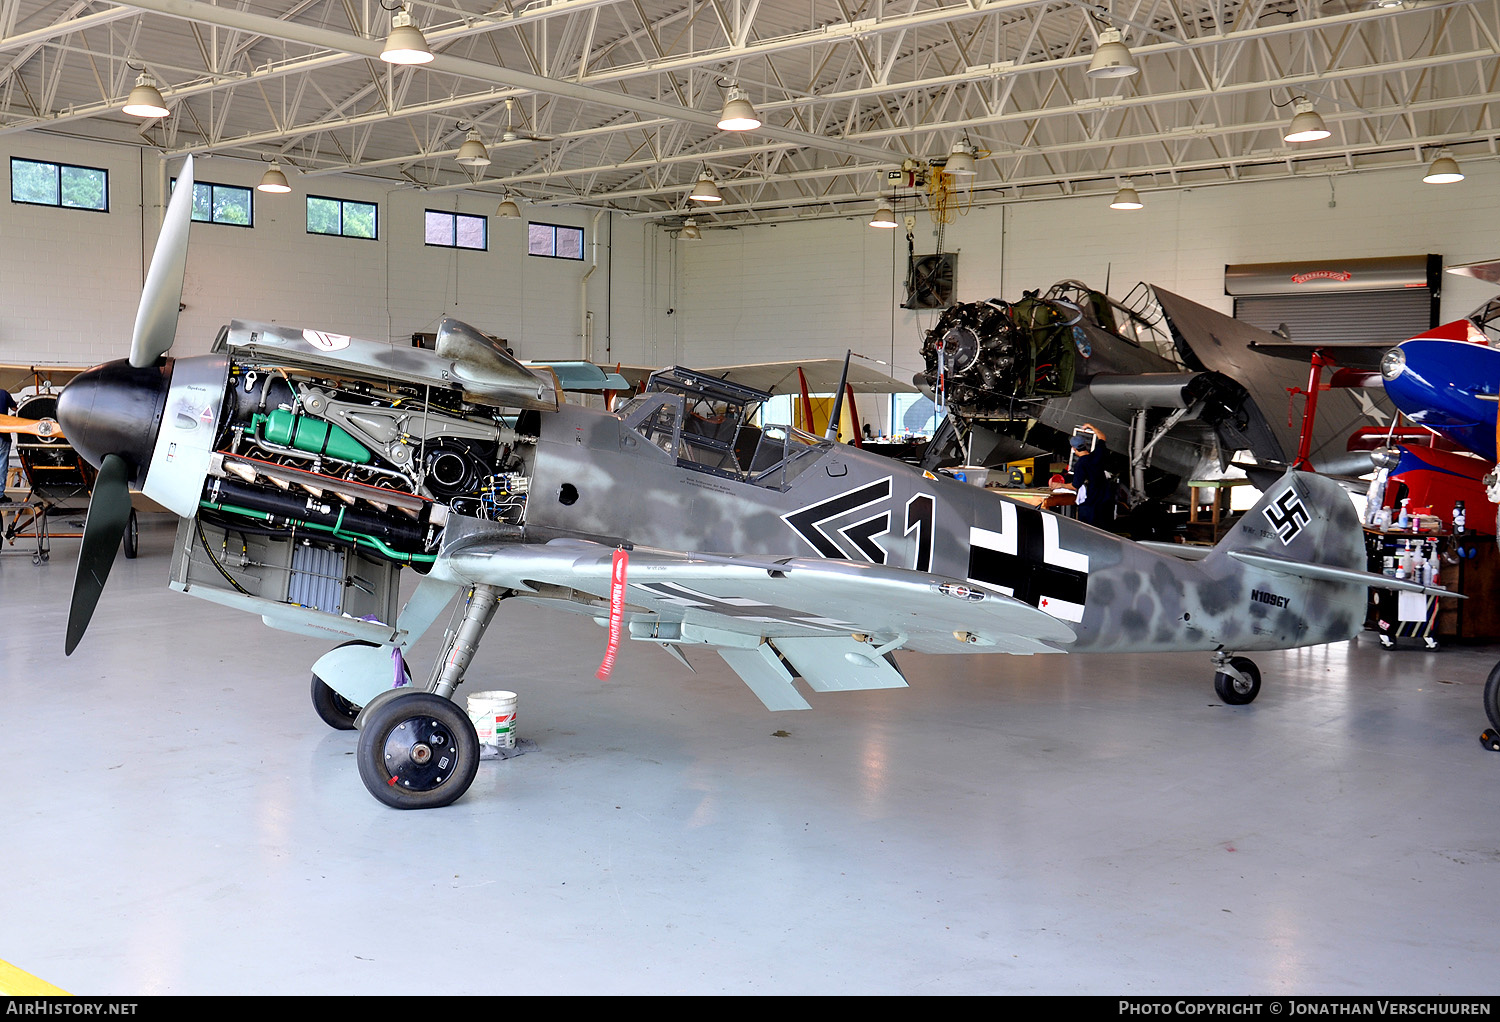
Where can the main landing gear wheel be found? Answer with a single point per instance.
(417, 750)
(332, 708)
(1492, 696)
(1237, 691)
(132, 536)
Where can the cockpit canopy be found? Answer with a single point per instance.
(708, 425)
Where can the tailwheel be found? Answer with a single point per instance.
(417, 750)
(1237, 681)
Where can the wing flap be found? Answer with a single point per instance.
(762, 670)
(839, 664)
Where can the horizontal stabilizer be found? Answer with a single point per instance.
(1329, 573)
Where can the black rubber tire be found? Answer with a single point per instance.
(1227, 688)
(332, 708)
(402, 750)
(1492, 696)
(132, 537)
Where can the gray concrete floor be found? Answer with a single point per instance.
(177, 821)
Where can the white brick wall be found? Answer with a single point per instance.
(69, 280)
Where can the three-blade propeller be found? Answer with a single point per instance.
(155, 330)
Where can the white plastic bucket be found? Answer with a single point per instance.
(494, 717)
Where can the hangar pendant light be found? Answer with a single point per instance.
(884, 216)
(1443, 171)
(961, 160)
(1112, 58)
(273, 180)
(1126, 198)
(406, 44)
(145, 99)
(508, 210)
(738, 113)
(473, 153)
(705, 190)
(1307, 125)
(690, 231)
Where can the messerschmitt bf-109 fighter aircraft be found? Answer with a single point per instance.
(310, 468)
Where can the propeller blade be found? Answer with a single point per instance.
(156, 319)
(35, 427)
(109, 514)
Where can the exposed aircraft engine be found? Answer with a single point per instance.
(377, 468)
(987, 353)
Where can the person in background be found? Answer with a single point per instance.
(1095, 494)
(7, 407)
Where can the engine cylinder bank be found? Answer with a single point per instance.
(391, 529)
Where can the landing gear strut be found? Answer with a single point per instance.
(1236, 679)
(419, 750)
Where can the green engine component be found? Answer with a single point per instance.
(305, 433)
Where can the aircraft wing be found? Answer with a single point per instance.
(822, 375)
(831, 622)
(16, 375)
(1487, 269)
(1242, 352)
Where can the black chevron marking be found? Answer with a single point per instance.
(806, 522)
(862, 535)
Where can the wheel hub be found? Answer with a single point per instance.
(420, 754)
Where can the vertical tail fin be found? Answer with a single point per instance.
(1303, 517)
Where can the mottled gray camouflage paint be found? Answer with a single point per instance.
(1137, 599)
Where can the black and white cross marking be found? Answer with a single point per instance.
(675, 594)
(1287, 515)
(1024, 559)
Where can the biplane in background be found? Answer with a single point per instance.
(50, 480)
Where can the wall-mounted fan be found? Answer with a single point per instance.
(931, 281)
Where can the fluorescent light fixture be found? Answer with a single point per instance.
(884, 216)
(1112, 58)
(405, 44)
(472, 153)
(273, 180)
(1444, 170)
(1307, 125)
(738, 113)
(705, 190)
(145, 99)
(1126, 198)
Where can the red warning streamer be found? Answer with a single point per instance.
(616, 611)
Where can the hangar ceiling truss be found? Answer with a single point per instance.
(614, 103)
